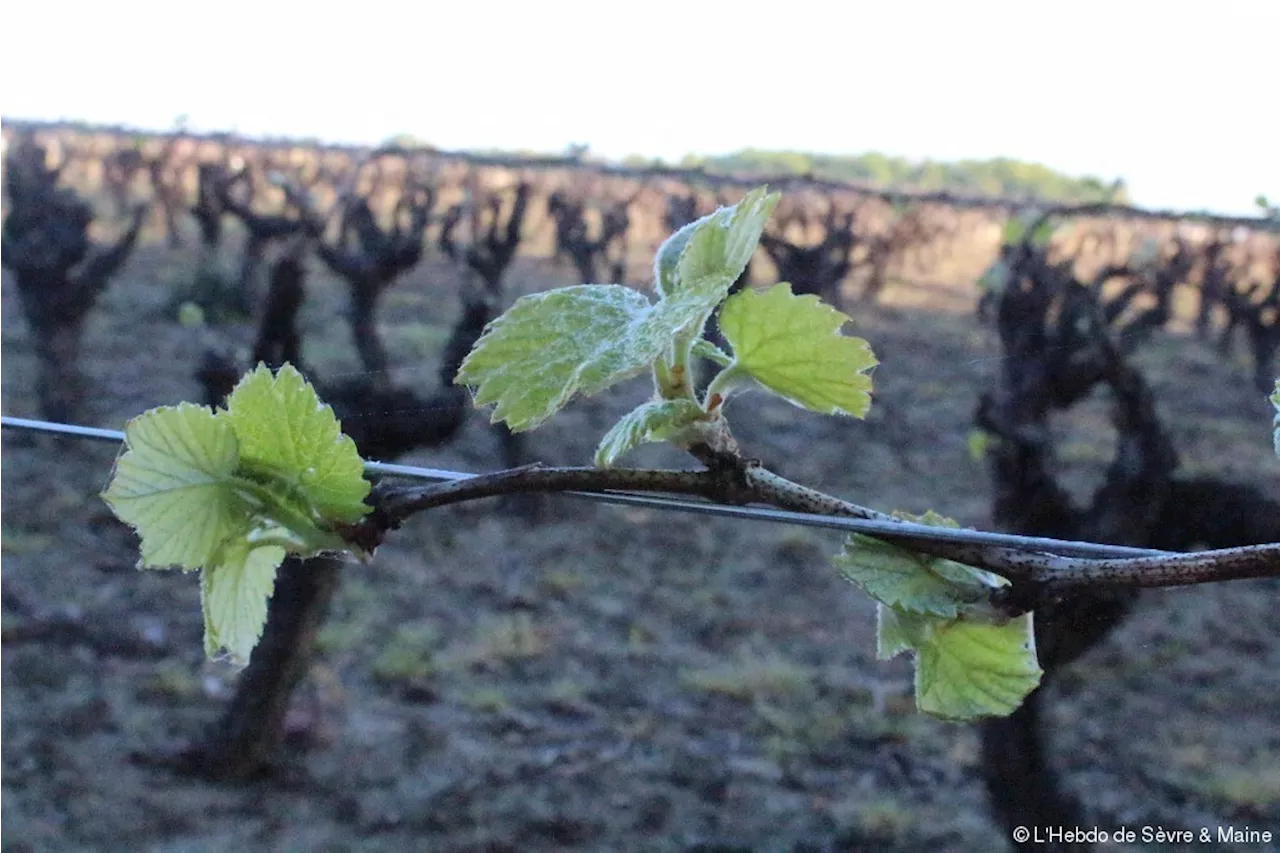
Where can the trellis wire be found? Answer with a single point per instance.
(689, 505)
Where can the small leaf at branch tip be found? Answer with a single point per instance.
(230, 492)
(581, 340)
(724, 242)
(717, 245)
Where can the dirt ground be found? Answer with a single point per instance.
(607, 679)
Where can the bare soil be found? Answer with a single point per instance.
(608, 678)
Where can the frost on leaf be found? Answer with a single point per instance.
(723, 245)
(549, 346)
(792, 345)
(717, 245)
(667, 262)
(703, 348)
(657, 420)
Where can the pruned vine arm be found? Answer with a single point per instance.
(1035, 575)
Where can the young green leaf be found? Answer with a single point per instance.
(549, 346)
(910, 581)
(667, 262)
(792, 345)
(657, 420)
(965, 668)
(234, 594)
(174, 484)
(229, 492)
(685, 311)
(719, 244)
(723, 245)
(969, 669)
(285, 431)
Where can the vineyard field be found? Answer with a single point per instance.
(602, 678)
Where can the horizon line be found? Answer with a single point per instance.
(568, 159)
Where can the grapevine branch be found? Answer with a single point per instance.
(1035, 576)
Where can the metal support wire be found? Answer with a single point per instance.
(690, 505)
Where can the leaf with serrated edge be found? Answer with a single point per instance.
(656, 420)
(687, 310)
(968, 669)
(548, 346)
(724, 245)
(174, 485)
(719, 244)
(282, 426)
(792, 345)
(234, 594)
(583, 339)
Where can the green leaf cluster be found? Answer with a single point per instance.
(550, 346)
(231, 492)
(970, 662)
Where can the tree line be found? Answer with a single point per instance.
(1001, 176)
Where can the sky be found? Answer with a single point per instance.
(1178, 99)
